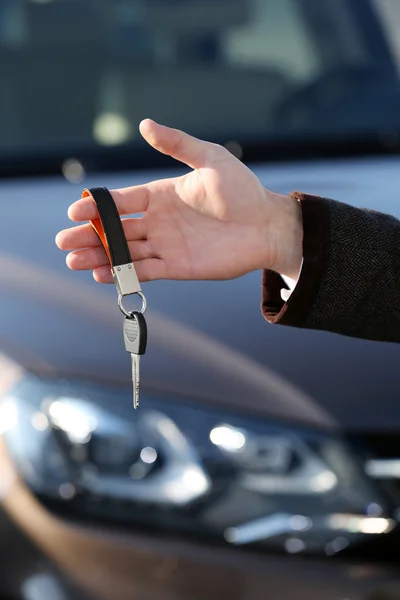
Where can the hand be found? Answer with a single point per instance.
(216, 222)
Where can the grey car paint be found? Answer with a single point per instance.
(207, 340)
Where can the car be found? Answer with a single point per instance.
(263, 459)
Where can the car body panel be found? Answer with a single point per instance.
(120, 564)
(207, 340)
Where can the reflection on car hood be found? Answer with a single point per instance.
(207, 340)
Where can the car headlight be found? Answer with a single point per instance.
(188, 469)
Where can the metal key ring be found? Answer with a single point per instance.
(129, 314)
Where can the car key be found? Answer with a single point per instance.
(135, 337)
(109, 229)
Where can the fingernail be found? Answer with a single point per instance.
(72, 260)
(71, 207)
(85, 202)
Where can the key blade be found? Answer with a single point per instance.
(135, 379)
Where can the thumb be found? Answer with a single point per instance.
(178, 144)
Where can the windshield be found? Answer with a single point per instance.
(79, 75)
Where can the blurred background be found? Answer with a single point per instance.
(262, 458)
(77, 75)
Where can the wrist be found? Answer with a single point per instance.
(285, 232)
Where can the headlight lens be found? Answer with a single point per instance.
(188, 469)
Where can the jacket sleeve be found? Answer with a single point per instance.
(350, 280)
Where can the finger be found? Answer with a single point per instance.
(180, 145)
(92, 258)
(103, 275)
(84, 236)
(147, 270)
(88, 258)
(129, 201)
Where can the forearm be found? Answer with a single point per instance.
(350, 278)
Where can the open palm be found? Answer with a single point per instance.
(216, 222)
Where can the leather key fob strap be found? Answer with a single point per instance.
(108, 227)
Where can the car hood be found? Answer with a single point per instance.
(207, 340)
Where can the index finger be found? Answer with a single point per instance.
(129, 201)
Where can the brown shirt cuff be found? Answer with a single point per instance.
(296, 310)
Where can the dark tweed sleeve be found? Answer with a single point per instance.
(350, 281)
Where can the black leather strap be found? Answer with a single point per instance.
(109, 227)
